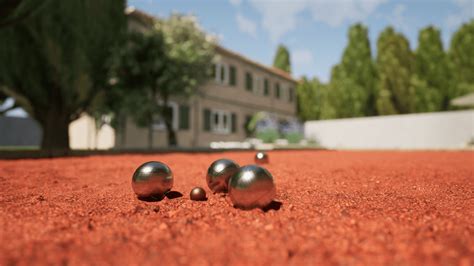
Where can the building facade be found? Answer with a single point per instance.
(220, 109)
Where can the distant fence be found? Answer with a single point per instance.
(443, 130)
(19, 131)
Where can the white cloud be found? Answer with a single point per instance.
(246, 25)
(280, 17)
(302, 57)
(397, 18)
(235, 2)
(464, 13)
(334, 13)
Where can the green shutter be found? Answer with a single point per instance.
(248, 81)
(222, 72)
(213, 71)
(265, 87)
(184, 117)
(290, 96)
(277, 90)
(233, 76)
(207, 120)
(234, 122)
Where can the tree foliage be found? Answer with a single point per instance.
(431, 66)
(461, 60)
(282, 59)
(53, 62)
(395, 65)
(398, 81)
(173, 58)
(357, 67)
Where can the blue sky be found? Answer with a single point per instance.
(314, 30)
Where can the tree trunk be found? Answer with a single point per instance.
(55, 132)
(168, 117)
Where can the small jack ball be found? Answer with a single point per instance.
(252, 187)
(261, 157)
(198, 194)
(152, 179)
(219, 173)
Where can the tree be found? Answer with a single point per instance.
(282, 59)
(461, 60)
(172, 59)
(357, 65)
(310, 98)
(52, 63)
(394, 65)
(345, 96)
(431, 66)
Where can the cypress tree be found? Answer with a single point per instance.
(461, 60)
(357, 65)
(432, 68)
(282, 59)
(395, 65)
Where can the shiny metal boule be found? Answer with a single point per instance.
(219, 173)
(261, 158)
(198, 194)
(152, 179)
(252, 187)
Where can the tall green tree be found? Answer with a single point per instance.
(431, 66)
(461, 59)
(282, 59)
(357, 65)
(345, 96)
(311, 95)
(53, 62)
(395, 65)
(172, 59)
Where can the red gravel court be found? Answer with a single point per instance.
(337, 207)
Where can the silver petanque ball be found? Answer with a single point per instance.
(261, 157)
(219, 173)
(252, 187)
(152, 179)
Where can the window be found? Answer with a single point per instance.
(277, 90)
(291, 94)
(221, 73)
(248, 81)
(266, 90)
(159, 122)
(233, 76)
(183, 117)
(220, 122)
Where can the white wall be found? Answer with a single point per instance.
(84, 135)
(443, 130)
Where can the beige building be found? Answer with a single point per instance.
(219, 110)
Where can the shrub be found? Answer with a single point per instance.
(293, 137)
(268, 135)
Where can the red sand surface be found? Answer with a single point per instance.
(396, 208)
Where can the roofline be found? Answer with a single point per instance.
(273, 70)
(148, 19)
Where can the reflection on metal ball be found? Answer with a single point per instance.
(197, 193)
(252, 187)
(261, 157)
(152, 179)
(219, 173)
